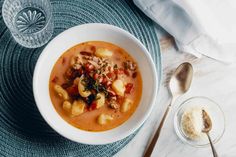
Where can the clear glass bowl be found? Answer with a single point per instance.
(216, 115)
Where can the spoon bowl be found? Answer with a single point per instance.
(207, 126)
(181, 79)
(206, 122)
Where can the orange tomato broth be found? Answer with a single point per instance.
(88, 120)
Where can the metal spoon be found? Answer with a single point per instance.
(207, 128)
(178, 85)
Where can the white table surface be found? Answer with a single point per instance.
(211, 79)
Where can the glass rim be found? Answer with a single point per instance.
(182, 137)
(38, 32)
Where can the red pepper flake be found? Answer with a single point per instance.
(128, 87)
(55, 79)
(93, 106)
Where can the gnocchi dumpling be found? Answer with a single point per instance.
(119, 87)
(104, 119)
(100, 100)
(101, 52)
(77, 107)
(126, 105)
(81, 88)
(61, 92)
(66, 106)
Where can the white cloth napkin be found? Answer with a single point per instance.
(199, 27)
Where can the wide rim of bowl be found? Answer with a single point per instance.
(123, 134)
(177, 127)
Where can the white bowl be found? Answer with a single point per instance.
(94, 32)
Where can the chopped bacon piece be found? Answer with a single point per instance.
(93, 49)
(55, 79)
(81, 71)
(73, 73)
(93, 106)
(89, 67)
(119, 71)
(134, 75)
(111, 92)
(104, 80)
(120, 99)
(95, 76)
(130, 65)
(86, 53)
(63, 60)
(66, 84)
(126, 72)
(76, 66)
(111, 75)
(108, 83)
(93, 91)
(68, 73)
(128, 87)
(100, 79)
(109, 68)
(72, 90)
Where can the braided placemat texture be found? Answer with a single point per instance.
(23, 132)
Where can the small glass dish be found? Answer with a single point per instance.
(216, 115)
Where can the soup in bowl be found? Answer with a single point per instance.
(95, 84)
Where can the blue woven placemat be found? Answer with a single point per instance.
(23, 132)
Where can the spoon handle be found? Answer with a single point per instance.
(212, 146)
(157, 134)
